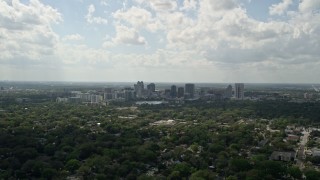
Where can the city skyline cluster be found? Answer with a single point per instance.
(139, 92)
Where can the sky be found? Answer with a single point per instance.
(250, 41)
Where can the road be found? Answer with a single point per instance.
(301, 150)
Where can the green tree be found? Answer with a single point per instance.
(183, 168)
(240, 165)
(202, 174)
(72, 165)
(312, 174)
(175, 175)
(49, 173)
(295, 172)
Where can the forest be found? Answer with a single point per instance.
(196, 140)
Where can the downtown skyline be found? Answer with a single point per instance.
(248, 41)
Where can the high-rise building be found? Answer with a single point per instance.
(239, 90)
(180, 92)
(151, 87)
(189, 90)
(139, 88)
(228, 92)
(129, 94)
(173, 92)
(108, 94)
(96, 98)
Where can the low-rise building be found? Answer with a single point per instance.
(283, 156)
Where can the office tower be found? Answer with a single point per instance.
(189, 90)
(173, 92)
(239, 90)
(228, 92)
(139, 88)
(151, 87)
(180, 92)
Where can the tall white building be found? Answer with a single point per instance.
(239, 90)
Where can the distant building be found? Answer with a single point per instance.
(315, 152)
(307, 96)
(108, 96)
(173, 91)
(86, 97)
(292, 137)
(151, 87)
(218, 95)
(96, 99)
(108, 90)
(180, 92)
(139, 88)
(62, 99)
(129, 94)
(189, 90)
(228, 92)
(167, 93)
(118, 95)
(1, 88)
(239, 90)
(283, 156)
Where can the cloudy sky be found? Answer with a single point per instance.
(160, 40)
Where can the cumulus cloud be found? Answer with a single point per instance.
(135, 16)
(232, 37)
(26, 29)
(309, 5)
(92, 19)
(218, 37)
(280, 8)
(139, 18)
(126, 35)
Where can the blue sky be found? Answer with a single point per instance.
(160, 40)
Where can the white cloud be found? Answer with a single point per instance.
(189, 5)
(73, 37)
(233, 38)
(207, 38)
(160, 5)
(92, 19)
(309, 5)
(26, 29)
(220, 5)
(138, 18)
(280, 8)
(126, 35)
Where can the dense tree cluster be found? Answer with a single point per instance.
(205, 141)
